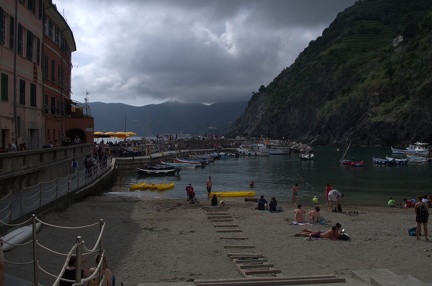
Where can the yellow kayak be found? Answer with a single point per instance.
(163, 186)
(139, 186)
(234, 194)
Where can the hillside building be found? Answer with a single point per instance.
(36, 46)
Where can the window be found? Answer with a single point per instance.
(33, 95)
(40, 9)
(50, 29)
(31, 6)
(38, 51)
(52, 70)
(58, 74)
(22, 92)
(4, 87)
(53, 105)
(2, 26)
(19, 126)
(20, 39)
(11, 32)
(29, 53)
(46, 67)
(56, 37)
(46, 103)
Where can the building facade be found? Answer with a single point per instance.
(36, 46)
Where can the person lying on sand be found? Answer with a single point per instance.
(333, 233)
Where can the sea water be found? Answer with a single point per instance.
(275, 175)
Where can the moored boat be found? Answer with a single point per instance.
(382, 161)
(160, 172)
(398, 161)
(357, 163)
(416, 159)
(307, 156)
(234, 194)
(417, 148)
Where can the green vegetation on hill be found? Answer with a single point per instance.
(354, 82)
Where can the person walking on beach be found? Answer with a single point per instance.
(334, 197)
(328, 188)
(295, 192)
(190, 194)
(422, 217)
(209, 186)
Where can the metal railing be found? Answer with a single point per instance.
(23, 202)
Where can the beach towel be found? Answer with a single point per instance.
(299, 223)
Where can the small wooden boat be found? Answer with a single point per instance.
(161, 172)
(234, 194)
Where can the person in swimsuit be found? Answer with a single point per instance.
(328, 188)
(332, 233)
(422, 216)
(209, 186)
(295, 192)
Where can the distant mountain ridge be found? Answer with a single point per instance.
(166, 118)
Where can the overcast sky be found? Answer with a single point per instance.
(140, 52)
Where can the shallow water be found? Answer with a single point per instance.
(275, 175)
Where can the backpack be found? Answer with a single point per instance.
(423, 209)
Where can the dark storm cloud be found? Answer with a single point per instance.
(142, 52)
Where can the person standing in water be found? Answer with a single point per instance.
(295, 192)
(209, 186)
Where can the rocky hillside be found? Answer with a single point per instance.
(367, 79)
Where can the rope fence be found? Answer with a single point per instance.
(79, 251)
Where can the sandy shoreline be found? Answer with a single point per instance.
(167, 240)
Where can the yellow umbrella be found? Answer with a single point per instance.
(130, 133)
(110, 133)
(99, 133)
(121, 134)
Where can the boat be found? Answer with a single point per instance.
(417, 148)
(188, 161)
(234, 194)
(19, 236)
(382, 161)
(273, 148)
(161, 172)
(181, 165)
(357, 163)
(140, 186)
(164, 186)
(398, 161)
(307, 156)
(252, 150)
(416, 159)
(158, 167)
(344, 161)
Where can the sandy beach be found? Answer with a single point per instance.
(163, 240)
